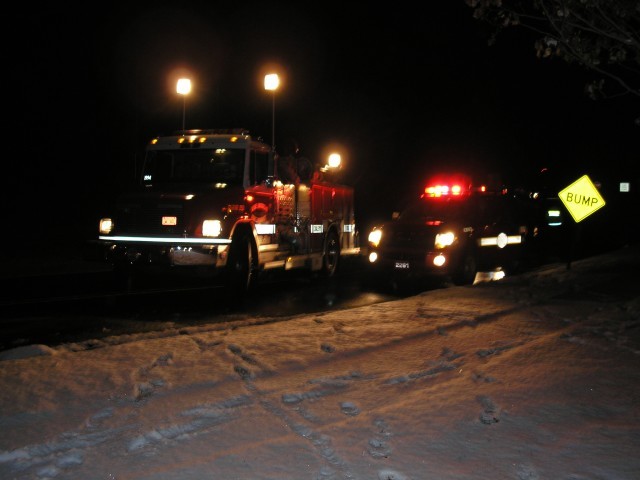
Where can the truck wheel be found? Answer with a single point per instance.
(240, 268)
(331, 254)
(466, 273)
(123, 277)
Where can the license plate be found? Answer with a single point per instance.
(402, 265)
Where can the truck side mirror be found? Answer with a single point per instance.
(271, 168)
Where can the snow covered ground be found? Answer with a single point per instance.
(532, 377)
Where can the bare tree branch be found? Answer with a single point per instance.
(601, 35)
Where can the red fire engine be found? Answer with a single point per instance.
(213, 200)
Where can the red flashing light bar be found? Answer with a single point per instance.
(454, 186)
(443, 190)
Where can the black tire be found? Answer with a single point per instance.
(331, 255)
(466, 272)
(123, 277)
(240, 268)
(514, 267)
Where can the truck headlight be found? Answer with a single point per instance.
(105, 227)
(444, 239)
(211, 228)
(374, 237)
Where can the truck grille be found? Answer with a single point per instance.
(146, 219)
(407, 244)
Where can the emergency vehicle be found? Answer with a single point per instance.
(211, 201)
(454, 230)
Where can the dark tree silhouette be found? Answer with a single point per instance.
(601, 35)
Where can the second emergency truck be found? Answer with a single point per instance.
(453, 231)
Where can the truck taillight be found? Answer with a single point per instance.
(106, 225)
(211, 228)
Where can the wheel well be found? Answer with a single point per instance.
(333, 228)
(245, 230)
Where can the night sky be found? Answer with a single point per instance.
(402, 91)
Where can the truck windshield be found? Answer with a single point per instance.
(476, 208)
(220, 166)
(440, 209)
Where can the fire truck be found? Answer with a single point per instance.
(212, 201)
(454, 230)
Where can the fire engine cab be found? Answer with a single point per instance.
(454, 230)
(212, 200)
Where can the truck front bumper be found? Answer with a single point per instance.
(160, 255)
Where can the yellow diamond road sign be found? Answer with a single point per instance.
(581, 198)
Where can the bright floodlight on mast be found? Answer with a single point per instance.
(272, 82)
(183, 88)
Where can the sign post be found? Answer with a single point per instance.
(582, 199)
